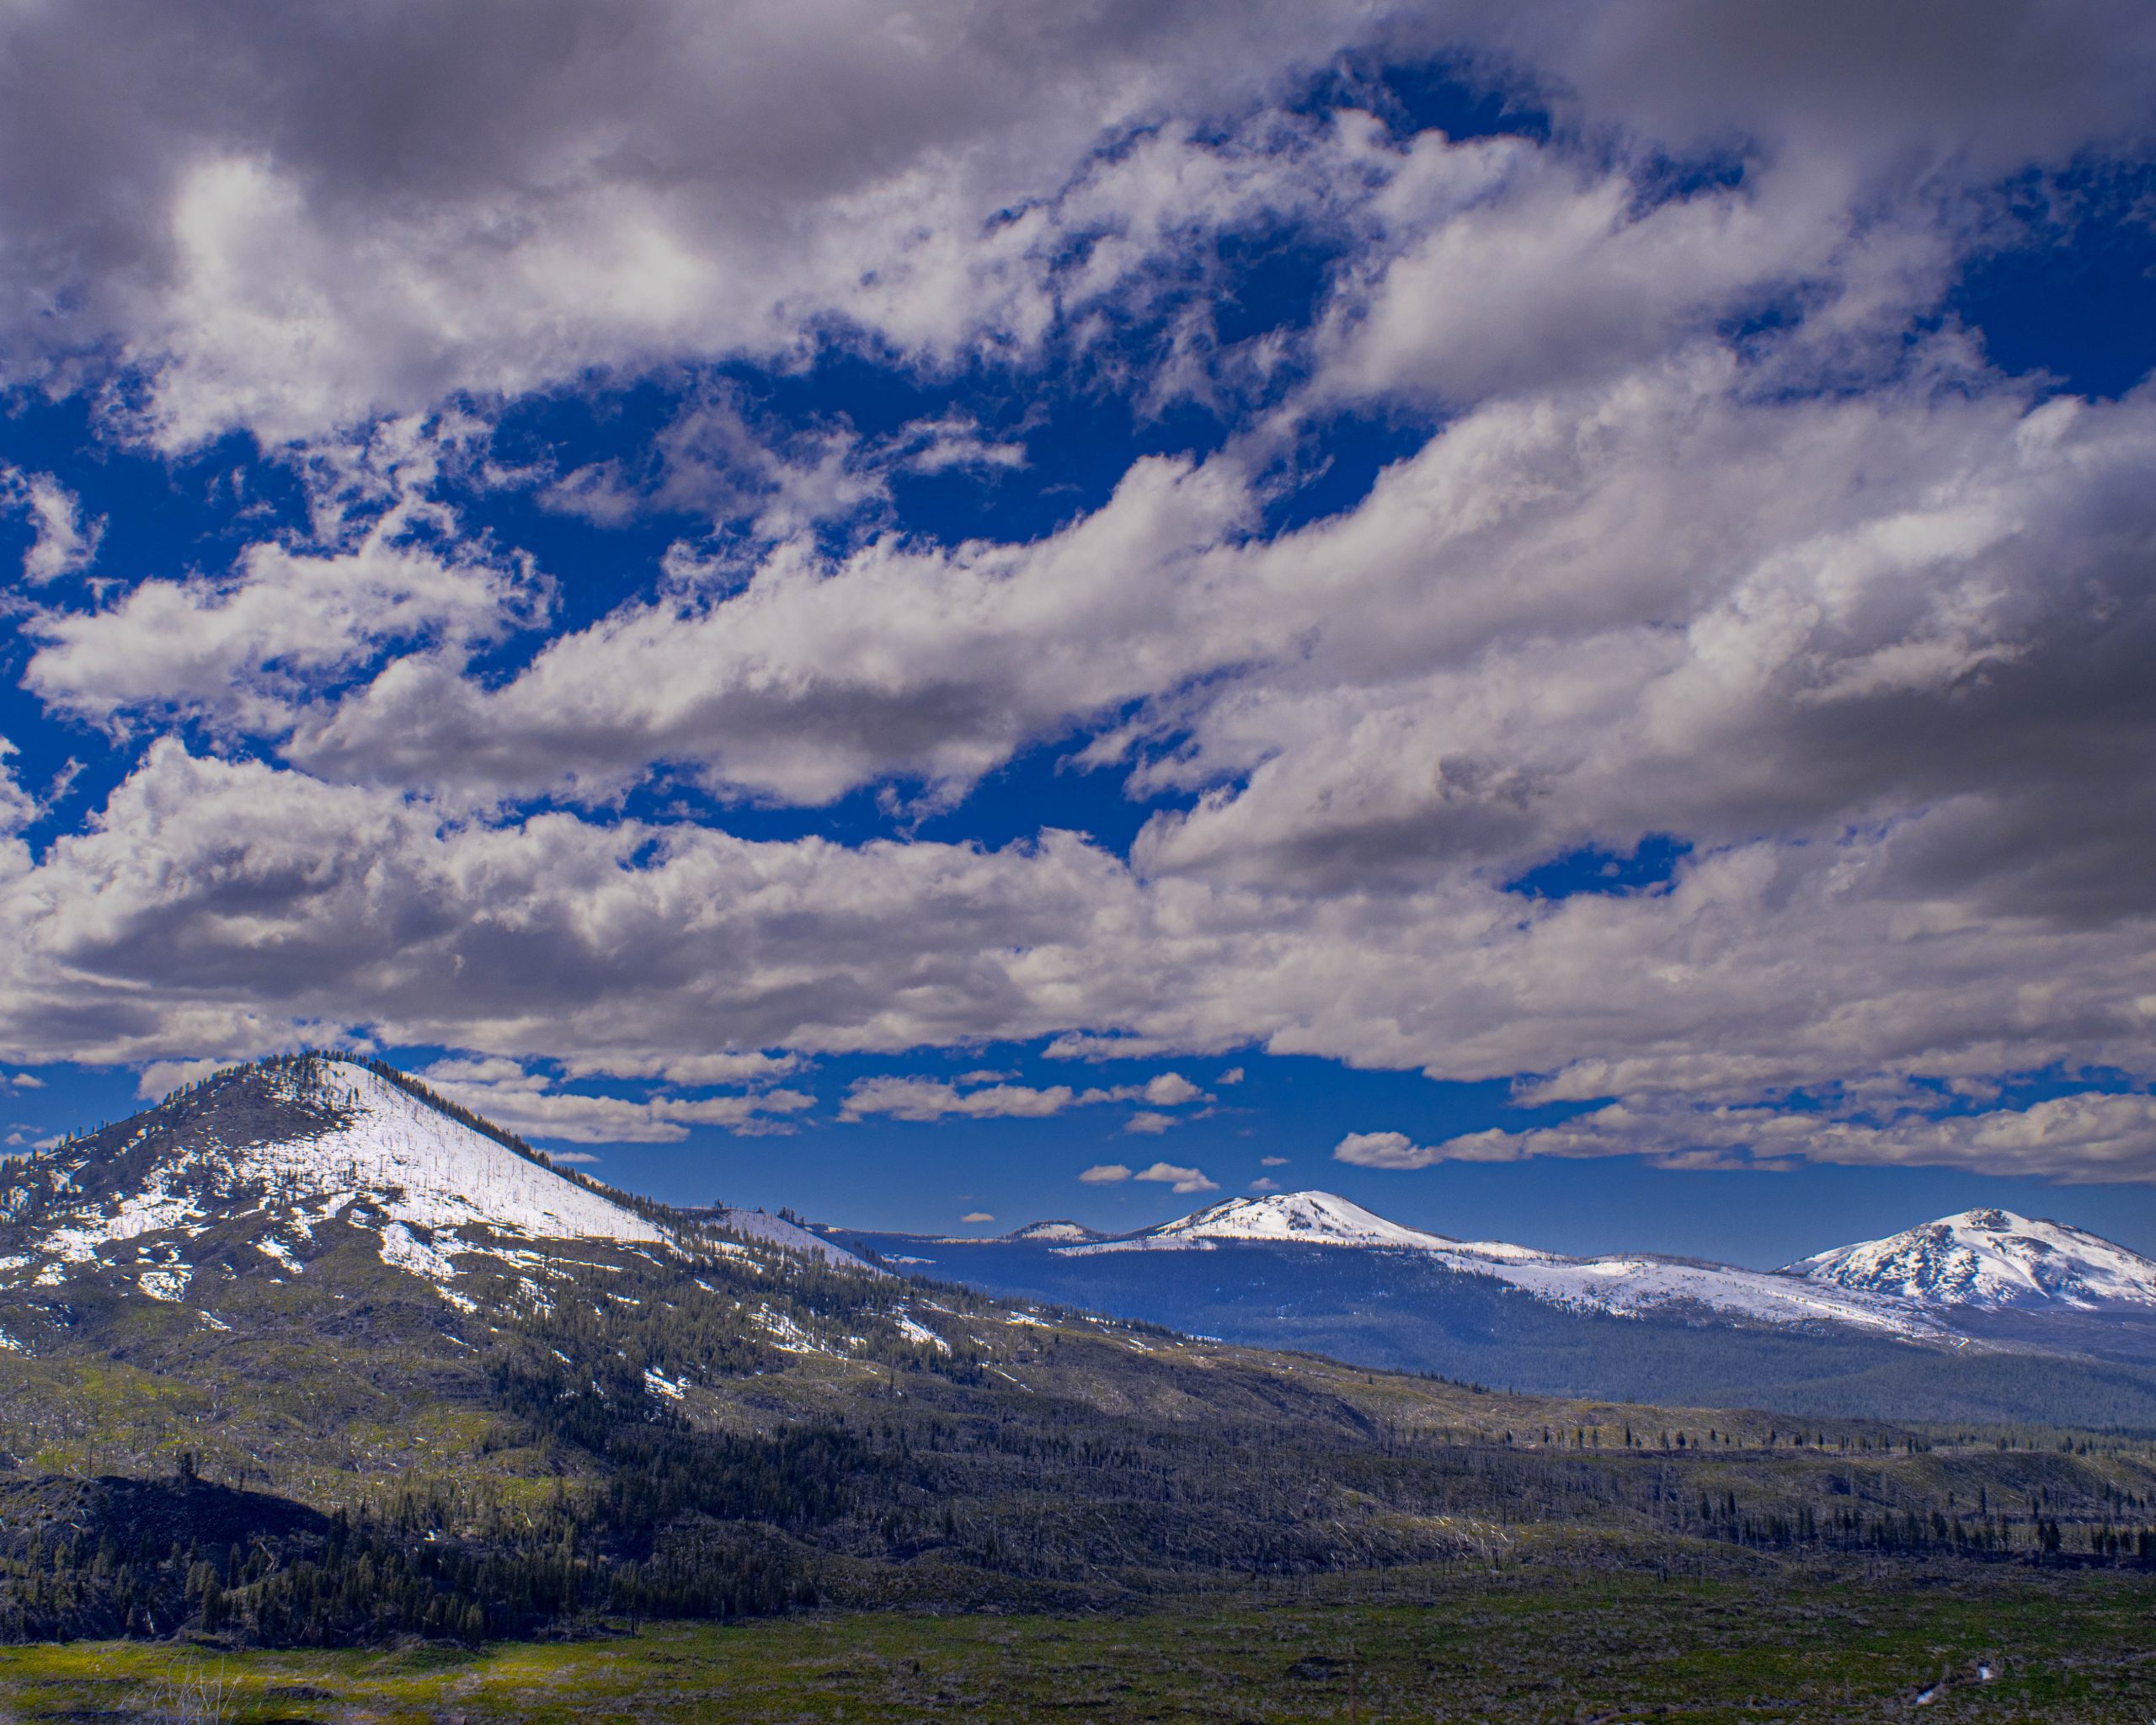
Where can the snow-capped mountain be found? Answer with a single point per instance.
(1990, 1259)
(1059, 1233)
(272, 1165)
(1299, 1218)
(1626, 1286)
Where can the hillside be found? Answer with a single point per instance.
(305, 1318)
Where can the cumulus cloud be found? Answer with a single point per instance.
(1861, 621)
(235, 906)
(1106, 1174)
(1146, 1123)
(927, 1099)
(532, 1104)
(989, 1097)
(62, 541)
(245, 651)
(1385, 1149)
(1169, 1090)
(1181, 1180)
(605, 187)
(2088, 1136)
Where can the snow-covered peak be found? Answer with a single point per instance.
(1297, 1218)
(1055, 1233)
(285, 1151)
(399, 1153)
(1625, 1286)
(1991, 1257)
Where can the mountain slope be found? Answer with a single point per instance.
(1991, 1259)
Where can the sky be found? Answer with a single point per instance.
(1542, 616)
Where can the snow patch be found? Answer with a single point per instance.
(167, 1282)
(920, 1333)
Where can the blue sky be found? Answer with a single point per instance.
(1540, 620)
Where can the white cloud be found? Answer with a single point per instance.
(926, 1099)
(162, 1077)
(976, 1215)
(1146, 1123)
(1272, 1162)
(1106, 1174)
(221, 909)
(528, 1102)
(1263, 1184)
(18, 809)
(2085, 1137)
(1876, 650)
(63, 541)
(246, 651)
(1385, 1149)
(1181, 1180)
(931, 1099)
(638, 185)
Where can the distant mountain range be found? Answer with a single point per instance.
(1951, 1314)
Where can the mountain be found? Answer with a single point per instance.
(305, 1354)
(273, 1160)
(1991, 1259)
(1313, 1270)
(1059, 1233)
(1623, 1286)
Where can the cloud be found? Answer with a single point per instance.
(63, 541)
(2080, 1138)
(1860, 620)
(1105, 1174)
(25, 1081)
(248, 651)
(1234, 1075)
(1263, 1184)
(572, 1158)
(162, 1077)
(928, 1099)
(976, 1215)
(629, 186)
(931, 1099)
(1385, 1149)
(1181, 1180)
(1272, 1162)
(232, 907)
(528, 1102)
(1145, 1122)
(754, 1066)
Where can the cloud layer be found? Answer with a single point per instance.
(1704, 524)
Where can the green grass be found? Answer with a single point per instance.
(1418, 1645)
